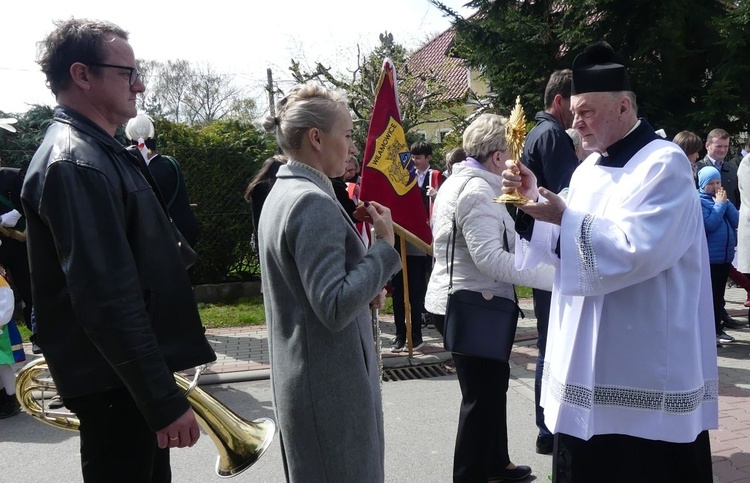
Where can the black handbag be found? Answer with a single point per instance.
(476, 326)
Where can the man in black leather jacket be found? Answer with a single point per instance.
(114, 307)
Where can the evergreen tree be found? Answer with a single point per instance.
(16, 149)
(687, 59)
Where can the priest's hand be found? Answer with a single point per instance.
(550, 210)
(518, 177)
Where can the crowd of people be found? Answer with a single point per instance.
(616, 215)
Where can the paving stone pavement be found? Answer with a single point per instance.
(242, 354)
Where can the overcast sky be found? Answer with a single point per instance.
(240, 38)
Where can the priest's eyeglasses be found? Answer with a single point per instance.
(134, 73)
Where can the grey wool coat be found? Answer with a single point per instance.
(318, 280)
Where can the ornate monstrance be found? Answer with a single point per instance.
(515, 135)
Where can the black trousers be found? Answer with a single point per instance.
(117, 446)
(15, 259)
(617, 458)
(542, 302)
(482, 441)
(416, 268)
(719, 274)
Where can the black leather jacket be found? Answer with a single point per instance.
(114, 306)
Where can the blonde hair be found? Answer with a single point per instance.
(306, 106)
(484, 136)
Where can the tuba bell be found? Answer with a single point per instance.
(240, 442)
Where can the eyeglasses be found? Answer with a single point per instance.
(134, 74)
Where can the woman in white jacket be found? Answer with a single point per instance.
(480, 264)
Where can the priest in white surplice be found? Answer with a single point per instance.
(630, 385)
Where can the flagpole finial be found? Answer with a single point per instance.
(386, 40)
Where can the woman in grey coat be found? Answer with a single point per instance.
(319, 280)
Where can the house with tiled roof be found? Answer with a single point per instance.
(434, 73)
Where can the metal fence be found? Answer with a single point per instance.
(216, 179)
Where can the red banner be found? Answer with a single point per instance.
(388, 173)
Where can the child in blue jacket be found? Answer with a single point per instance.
(720, 219)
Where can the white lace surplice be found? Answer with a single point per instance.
(631, 345)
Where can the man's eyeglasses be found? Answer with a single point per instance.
(134, 74)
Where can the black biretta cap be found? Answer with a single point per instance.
(599, 69)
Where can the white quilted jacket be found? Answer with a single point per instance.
(480, 263)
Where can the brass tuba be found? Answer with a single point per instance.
(240, 442)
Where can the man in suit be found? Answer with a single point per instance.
(740, 156)
(717, 147)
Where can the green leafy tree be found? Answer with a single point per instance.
(218, 160)
(360, 84)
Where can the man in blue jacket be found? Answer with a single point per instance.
(550, 154)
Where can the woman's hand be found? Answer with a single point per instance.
(518, 177)
(379, 301)
(380, 218)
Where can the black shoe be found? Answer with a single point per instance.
(734, 323)
(516, 474)
(724, 337)
(544, 444)
(10, 407)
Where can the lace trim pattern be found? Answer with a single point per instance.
(588, 270)
(680, 402)
(545, 258)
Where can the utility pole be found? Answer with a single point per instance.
(269, 88)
